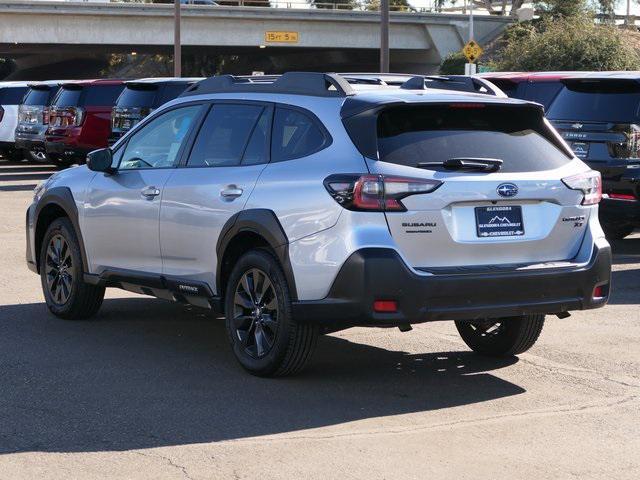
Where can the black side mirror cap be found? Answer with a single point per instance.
(101, 160)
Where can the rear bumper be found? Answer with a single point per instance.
(380, 274)
(620, 211)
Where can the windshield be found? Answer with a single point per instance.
(517, 136)
(139, 97)
(598, 101)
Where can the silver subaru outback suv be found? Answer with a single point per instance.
(309, 203)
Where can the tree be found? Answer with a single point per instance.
(453, 64)
(568, 43)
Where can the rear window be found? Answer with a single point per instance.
(510, 88)
(138, 96)
(12, 95)
(170, 91)
(516, 135)
(68, 97)
(37, 96)
(102, 95)
(598, 101)
(296, 135)
(543, 92)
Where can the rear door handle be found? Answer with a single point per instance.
(150, 192)
(230, 192)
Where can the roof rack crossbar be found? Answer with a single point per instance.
(297, 83)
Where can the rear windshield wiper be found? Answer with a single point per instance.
(464, 163)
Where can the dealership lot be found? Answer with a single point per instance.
(151, 389)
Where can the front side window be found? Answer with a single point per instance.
(156, 145)
(295, 135)
(224, 135)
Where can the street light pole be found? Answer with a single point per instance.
(384, 36)
(177, 48)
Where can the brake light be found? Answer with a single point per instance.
(66, 117)
(589, 183)
(467, 105)
(379, 193)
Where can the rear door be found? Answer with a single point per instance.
(228, 155)
(520, 214)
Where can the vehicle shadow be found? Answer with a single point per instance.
(148, 373)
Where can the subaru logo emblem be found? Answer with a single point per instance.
(507, 190)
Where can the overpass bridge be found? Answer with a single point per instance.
(37, 33)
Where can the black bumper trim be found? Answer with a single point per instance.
(380, 274)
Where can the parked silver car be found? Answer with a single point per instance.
(305, 205)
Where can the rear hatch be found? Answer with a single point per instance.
(600, 120)
(502, 202)
(135, 102)
(34, 110)
(75, 102)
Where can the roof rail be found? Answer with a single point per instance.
(296, 83)
(460, 83)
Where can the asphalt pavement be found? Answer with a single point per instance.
(150, 389)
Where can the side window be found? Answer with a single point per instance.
(295, 135)
(224, 135)
(156, 145)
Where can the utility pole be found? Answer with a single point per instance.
(177, 48)
(384, 36)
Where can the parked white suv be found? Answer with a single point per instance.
(302, 205)
(11, 95)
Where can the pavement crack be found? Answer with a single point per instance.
(170, 462)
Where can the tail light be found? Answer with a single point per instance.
(589, 183)
(630, 148)
(66, 117)
(378, 193)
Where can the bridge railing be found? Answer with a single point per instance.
(343, 5)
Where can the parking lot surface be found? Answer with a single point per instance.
(150, 389)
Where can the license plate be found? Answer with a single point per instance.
(499, 221)
(581, 149)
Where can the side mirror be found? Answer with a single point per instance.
(100, 161)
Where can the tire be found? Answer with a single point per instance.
(265, 338)
(69, 297)
(33, 156)
(501, 336)
(616, 231)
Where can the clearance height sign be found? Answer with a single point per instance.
(281, 37)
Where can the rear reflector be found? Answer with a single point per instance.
(622, 196)
(600, 292)
(385, 306)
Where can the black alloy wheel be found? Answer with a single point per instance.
(59, 270)
(255, 313)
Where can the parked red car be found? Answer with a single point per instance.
(540, 87)
(80, 119)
